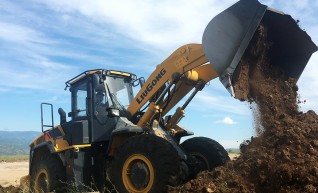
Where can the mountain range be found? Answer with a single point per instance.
(16, 142)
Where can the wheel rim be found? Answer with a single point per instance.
(204, 163)
(41, 181)
(138, 174)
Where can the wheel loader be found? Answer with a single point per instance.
(123, 142)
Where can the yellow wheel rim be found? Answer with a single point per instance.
(138, 174)
(41, 183)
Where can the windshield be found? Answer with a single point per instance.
(119, 91)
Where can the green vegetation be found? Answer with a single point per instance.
(13, 158)
(233, 151)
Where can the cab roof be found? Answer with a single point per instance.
(70, 82)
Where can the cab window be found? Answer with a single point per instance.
(80, 95)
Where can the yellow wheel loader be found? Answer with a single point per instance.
(129, 143)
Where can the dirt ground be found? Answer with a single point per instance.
(11, 172)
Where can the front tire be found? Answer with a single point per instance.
(208, 154)
(48, 174)
(145, 163)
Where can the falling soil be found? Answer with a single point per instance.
(283, 157)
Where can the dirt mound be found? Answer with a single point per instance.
(10, 189)
(284, 155)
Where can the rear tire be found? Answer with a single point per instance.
(208, 154)
(145, 163)
(48, 174)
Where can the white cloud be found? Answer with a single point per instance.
(163, 24)
(227, 121)
(16, 33)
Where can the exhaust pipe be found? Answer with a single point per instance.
(228, 34)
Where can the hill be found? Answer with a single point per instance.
(16, 142)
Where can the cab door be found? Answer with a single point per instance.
(102, 124)
(77, 131)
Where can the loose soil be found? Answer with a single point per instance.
(284, 155)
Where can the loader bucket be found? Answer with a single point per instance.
(228, 34)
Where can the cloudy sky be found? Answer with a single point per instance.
(45, 43)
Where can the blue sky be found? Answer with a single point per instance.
(45, 43)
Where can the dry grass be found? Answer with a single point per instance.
(14, 158)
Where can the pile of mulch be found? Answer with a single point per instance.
(284, 155)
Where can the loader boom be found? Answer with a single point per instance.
(185, 69)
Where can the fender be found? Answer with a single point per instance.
(45, 147)
(120, 135)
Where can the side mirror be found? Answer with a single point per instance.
(141, 81)
(113, 112)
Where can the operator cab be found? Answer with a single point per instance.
(113, 89)
(99, 97)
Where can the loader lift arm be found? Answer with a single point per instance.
(185, 69)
